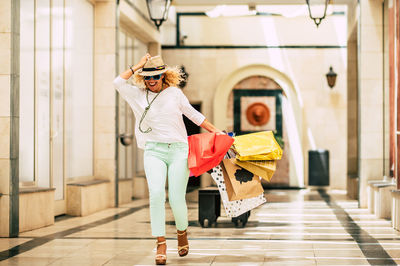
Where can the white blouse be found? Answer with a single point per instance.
(164, 116)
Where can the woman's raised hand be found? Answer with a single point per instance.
(143, 60)
(132, 69)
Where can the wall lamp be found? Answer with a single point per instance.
(331, 77)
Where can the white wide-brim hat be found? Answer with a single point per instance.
(154, 66)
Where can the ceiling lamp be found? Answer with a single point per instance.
(158, 10)
(314, 10)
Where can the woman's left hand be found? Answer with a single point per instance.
(143, 60)
(211, 128)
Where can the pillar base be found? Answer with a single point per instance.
(383, 200)
(32, 213)
(396, 209)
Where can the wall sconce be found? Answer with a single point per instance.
(331, 77)
(317, 20)
(182, 39)
(158, 11)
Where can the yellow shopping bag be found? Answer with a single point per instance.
(264, 169)
(257, 146)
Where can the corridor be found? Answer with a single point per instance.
(294, 227)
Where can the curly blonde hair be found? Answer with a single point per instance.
(172, 77)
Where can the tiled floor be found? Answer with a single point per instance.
(295, 227)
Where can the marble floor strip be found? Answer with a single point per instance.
(375, 254)
(38, 241)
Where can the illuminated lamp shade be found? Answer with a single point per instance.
(158, 11)
(317, 10)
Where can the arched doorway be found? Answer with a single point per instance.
(262, 77)
(255, 104)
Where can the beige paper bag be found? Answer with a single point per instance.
(240, 183)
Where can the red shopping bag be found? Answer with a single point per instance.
(206, 150)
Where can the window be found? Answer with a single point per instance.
(27, 93)
(79, 87)
(56, 92)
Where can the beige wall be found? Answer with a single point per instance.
(295, 28)
(262, 30)
(324, 109)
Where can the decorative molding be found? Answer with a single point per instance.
(237, 94)
(169, 47)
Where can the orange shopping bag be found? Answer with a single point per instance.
(206, 150)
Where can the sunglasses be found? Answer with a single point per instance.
(156, 77)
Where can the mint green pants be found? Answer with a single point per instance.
(162, 160)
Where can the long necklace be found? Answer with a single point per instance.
(146, 110)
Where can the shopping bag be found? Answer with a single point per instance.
(206, 150)
(257, 146)
(236, 207)
(264, 169)
(240, 183)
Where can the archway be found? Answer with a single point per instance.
(291, 106)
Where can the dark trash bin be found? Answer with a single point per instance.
(318, 167)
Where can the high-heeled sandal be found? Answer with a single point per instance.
(184, 248)
(161, 259)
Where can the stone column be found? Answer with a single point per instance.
(9, 118)
(105, 94)
(155, 48)
(370, 96)
(352, 104)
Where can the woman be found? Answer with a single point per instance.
(158, 106)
